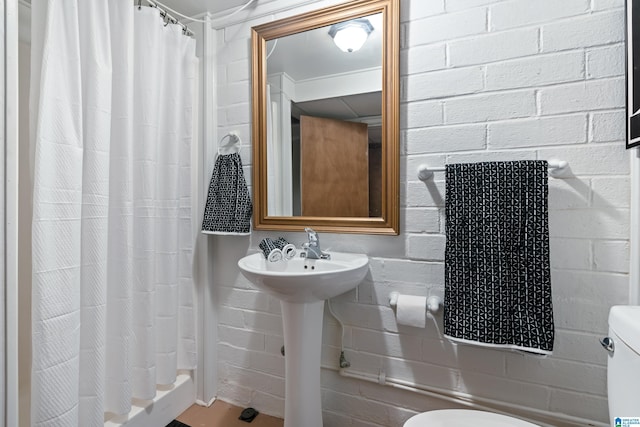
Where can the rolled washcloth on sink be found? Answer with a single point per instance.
(288, 249)
(270, 250)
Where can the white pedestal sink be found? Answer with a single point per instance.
(302, 285)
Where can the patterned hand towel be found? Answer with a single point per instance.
(228, 208)
(497, 274)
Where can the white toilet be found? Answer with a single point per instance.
(623, 366)
(623, 377)
(464, 418)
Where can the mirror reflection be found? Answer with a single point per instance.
(324, 121)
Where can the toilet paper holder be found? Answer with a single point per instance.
(433, 302)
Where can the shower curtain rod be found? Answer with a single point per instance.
(166, 15)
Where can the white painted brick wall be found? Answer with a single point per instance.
(423, 59)
(513, 14)
(445, 139)
(569, 193)
(590, 95)
(606, 4)
(611, 256)
(440, 84)
(539, 131)
(446, 27)
(568, 375)
(456, 5)
(490, 107)
(605, 61)
(611, 192)
(582, 298)
(419, 220)
(428, 247)
(539, 70)
(577, 346)
(608, 126)
(493, 47)
(573, 254)
(505, 389)
(591, 159)
(584, 31)
(592, 223)
(421, 114)
(490, 156)
(483, 80)
(592, 407)
(417, 9)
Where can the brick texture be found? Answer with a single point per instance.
(483, 80)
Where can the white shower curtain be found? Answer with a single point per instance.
(274, 197)
(279, 167)
(112, 108)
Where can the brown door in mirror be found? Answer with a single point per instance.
(334, 161)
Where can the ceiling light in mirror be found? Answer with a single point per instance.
(350, 36)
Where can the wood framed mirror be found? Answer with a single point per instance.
(325, 120)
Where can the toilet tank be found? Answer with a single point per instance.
(623, 366)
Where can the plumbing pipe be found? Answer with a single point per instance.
(483, 404)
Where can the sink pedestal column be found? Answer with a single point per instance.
(302, 324)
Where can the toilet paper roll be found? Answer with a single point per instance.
(411, 310)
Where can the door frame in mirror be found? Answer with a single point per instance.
(388, 223)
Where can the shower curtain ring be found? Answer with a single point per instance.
(164, 17)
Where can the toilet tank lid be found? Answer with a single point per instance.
(624, 320)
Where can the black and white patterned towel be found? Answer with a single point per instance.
(497, 273)
(228, 208)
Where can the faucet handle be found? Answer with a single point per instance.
(312, 235)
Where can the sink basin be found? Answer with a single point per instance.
(301, 280)
(302, 285)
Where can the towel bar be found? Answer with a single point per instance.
(557, 167)
(433, 302)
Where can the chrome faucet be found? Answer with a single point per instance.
(312, 248)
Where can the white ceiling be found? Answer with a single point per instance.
(313, 54)
(196, 7)
(352, 107)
